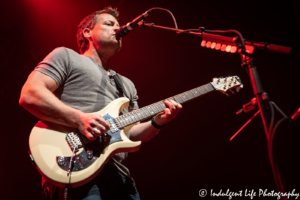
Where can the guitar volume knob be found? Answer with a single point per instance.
(89, 154)
(61, 160)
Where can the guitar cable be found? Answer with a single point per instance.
(66, 193)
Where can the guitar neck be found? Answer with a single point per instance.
(155, 108)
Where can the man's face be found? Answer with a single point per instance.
(103, 34)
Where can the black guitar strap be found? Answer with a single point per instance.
(120, 86)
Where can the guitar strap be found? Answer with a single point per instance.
(120, 86)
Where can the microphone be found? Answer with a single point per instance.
(124, 30)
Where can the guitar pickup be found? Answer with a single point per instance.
(73, 140)
(113, 127)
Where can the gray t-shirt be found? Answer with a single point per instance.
(84, 85)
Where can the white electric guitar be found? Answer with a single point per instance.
(66, 158)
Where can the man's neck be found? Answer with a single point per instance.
(101, 59)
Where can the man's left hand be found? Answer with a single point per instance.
(169, 113)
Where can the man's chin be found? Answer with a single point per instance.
(115, 45)
(118, 46)
(115, 49)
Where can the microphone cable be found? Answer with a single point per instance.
(163, 9)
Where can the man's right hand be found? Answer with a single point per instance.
(92, 125)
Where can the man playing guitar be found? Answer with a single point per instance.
(67, 87)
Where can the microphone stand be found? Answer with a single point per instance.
(246, 53)
(233, 41)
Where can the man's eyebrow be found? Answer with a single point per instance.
(111, 21)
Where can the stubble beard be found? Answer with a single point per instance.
(112, 46)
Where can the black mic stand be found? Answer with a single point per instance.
(263, 103)
(261, 97)
(246, 49)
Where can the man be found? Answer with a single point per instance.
(82, 84)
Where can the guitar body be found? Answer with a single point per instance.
(48, 143)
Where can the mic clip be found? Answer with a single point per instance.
(144, 24)
(252, 105)
(201, 29)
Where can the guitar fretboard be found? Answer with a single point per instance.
(155, 108)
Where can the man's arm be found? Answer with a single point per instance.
(37, 97)
(145, 131)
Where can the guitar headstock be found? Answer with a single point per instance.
(229, 83)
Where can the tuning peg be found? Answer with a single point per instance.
(239, 88)
(227, 94)
(232, 92)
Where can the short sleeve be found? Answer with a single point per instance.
(134, 99)
(55, 65)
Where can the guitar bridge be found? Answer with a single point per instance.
(73, 140)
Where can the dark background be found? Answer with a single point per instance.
(193, 152)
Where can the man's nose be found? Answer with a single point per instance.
(116, 28)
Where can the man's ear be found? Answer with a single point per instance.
(86, 33)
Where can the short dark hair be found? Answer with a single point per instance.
(90, 22)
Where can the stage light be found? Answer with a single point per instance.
(228, 48)
(233, 49)
(208, 44)
(218, 46)
(213, 45)
(223, 47)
